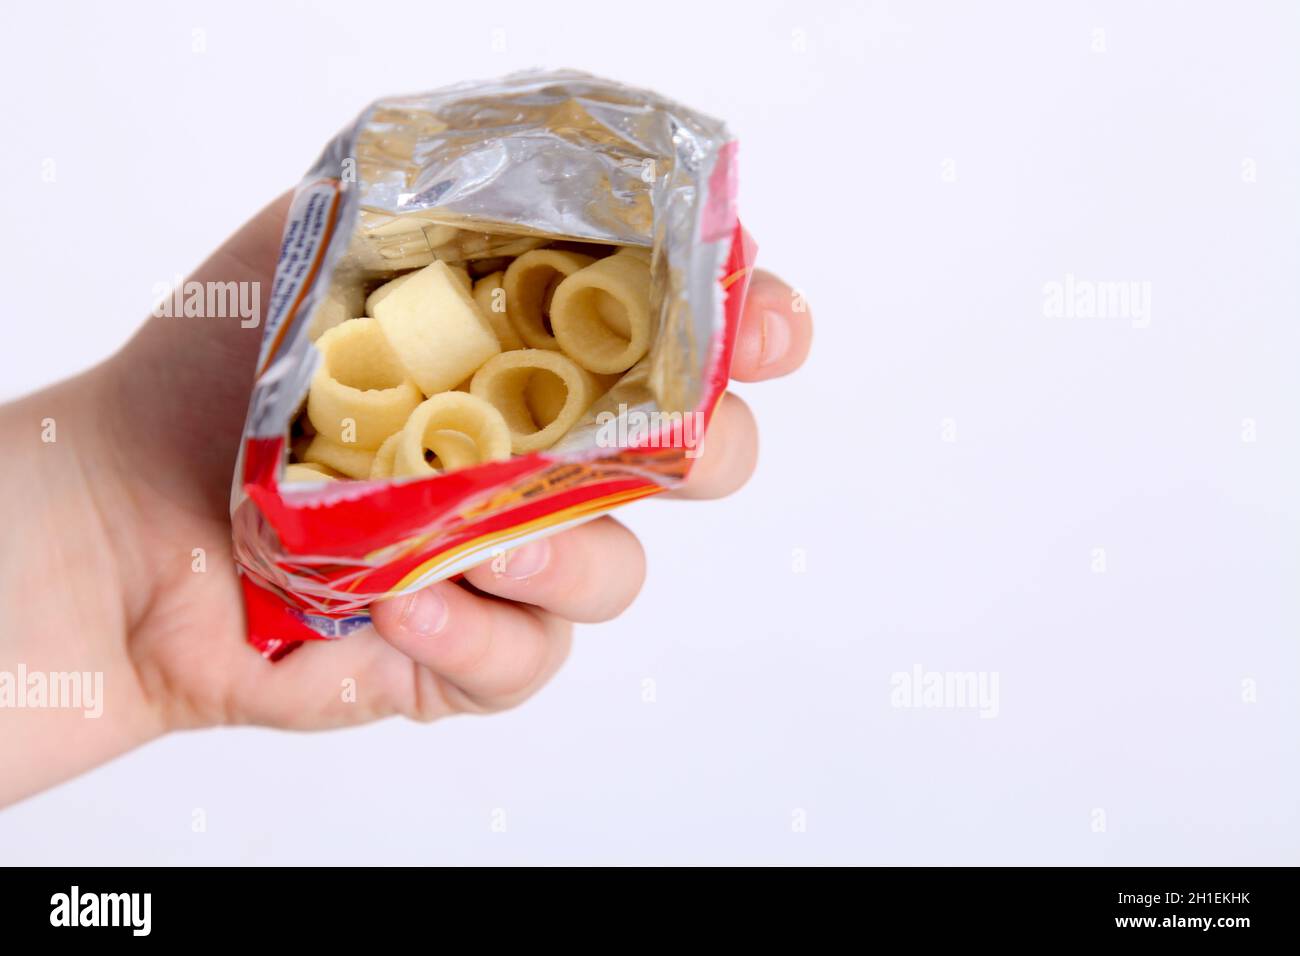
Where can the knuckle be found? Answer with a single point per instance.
(465, 646)
(617, 580)
(552, 651)
(428, 696)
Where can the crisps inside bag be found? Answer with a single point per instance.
(559, 188)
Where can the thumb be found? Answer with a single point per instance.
(176, 395)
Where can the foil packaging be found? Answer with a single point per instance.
(466, 174)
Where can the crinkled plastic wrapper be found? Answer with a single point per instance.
(472, 172)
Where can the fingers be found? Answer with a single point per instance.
(329, 684)
(775, 331)
(774, 339)
(590, 573)
(476, 653)
(728, 453)
(482, 654)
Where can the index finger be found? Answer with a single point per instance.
(775, 330)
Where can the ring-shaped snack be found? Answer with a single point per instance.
(436, 329)
(305, 471)
(450, 450)
(391, 286)
(541, 395)
(545, 395)
(638, 252)
(601, 314)
(433, 426)
(489, 293)
(382, 466)
(530, 282)
(359, 381)
(345, 459)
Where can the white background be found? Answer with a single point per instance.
(1120, 692)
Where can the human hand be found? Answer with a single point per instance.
(100, 573)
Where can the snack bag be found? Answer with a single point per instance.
(500, 309)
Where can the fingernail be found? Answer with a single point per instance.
(776, 338)
(425, 613)
(529, 559)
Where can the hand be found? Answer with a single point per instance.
(98, 567)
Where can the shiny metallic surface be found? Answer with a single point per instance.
(485, 169)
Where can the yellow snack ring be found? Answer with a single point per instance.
(360, 381)
(345, 459)
(451, 450)
(298, 443)
(384, 291)
(299, 471)
(601, 314)
(530, 282)
(639, 252)
(462, 273)
(545, 395)
(388, 288)
(478, 423)
(436, 329)
(382, 466)
(507, 382)
(489, 293)
(343, 301)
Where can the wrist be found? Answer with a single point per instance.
(74, 699)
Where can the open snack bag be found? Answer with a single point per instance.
(500, 309)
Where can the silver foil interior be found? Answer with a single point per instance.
(487, 169)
